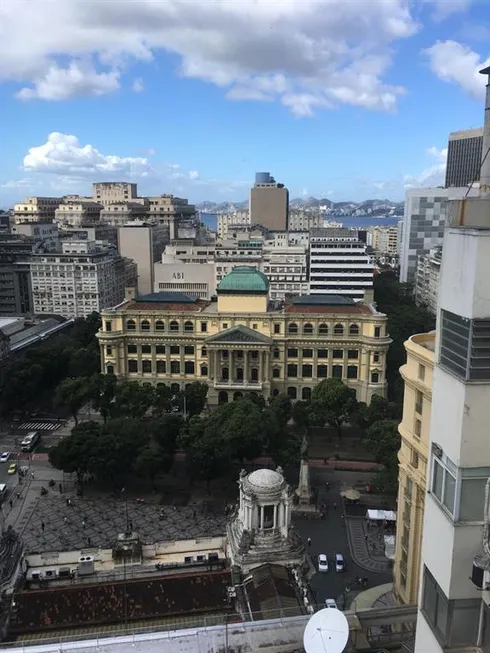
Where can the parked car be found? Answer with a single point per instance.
(331, 603)
(12, 468)
(339, 562)
(5, 456)
(322, 562)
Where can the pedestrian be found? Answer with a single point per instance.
(43, 526)
(32, 475)
(70, 502)
(65, 520)
(131, 526)
(11, 503)
(366, 537)
(89, 541)
(309, 541)
(83, 523)
(335, 506)
(61, 488)
(67, 501)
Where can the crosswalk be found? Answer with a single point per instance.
(40, 426)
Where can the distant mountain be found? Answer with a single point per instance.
(369, 207)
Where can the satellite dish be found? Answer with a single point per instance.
(326, 632)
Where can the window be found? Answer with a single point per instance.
(277, 353)
(353, 354)
(132, 349)
(323, 329)
(132, 366)
(204, 370)
(254, 326)
(293, 328)
(189, 367)
(225, 374)
(308, 329)
(224, 353)
(417, 427)
(443, 484)
(377, 332)
(108, 350)
(204, 327)
(306, 394)
(434, 606)
(352, 371)
(419, 402)
(145, 325)
(146, 367)
(108, 326)
(161, 367)
(292, 353)
(174, 326)
(188, 326)
(110, 369)
(338, 353)
(292, 393)
(338, 330)
(307, 371)
(188, 350)
(174, 367)
(322, 371)
(277, 328)
(421, 372)
(174, 349)
(354, 330)
(225, 325)
(292, 370)
(307, 353)
(146, 349)
(276, 373)
(255, 374)
(337, 371)
(376, 357)
(322, 353)
(414, 459)
(160, 349)
(374, 377)
(131, 325)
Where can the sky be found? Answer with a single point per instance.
(344, 99)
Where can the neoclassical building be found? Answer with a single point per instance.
(242, 343)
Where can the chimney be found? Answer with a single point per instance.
(485, 165)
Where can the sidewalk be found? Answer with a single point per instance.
(363, 550)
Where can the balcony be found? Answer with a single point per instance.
(229, 384)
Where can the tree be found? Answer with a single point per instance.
(74, 453)
(240, 426)
(379, 409)
(132, 399)
(102, 393)
(333, 402)
(165, 432)
(84, 362)
(195, 398)
(162, 399)
(383, 440)
(206, 456)
(301, 414)
(281, 407)
(73, 394)
(150, 462)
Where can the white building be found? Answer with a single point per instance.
(230, 220)
(36, 209)
(82, 278)
(383, 240)
(286, 268)
(339, 263)
(454, 612)
(427, 279)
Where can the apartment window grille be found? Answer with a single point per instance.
(189, 367)
(353, 354)
(174, 349)
(145, 325)
(292, 353)
(338, 330)
(146, 367)
(308, 329)
(160, 349)
(323, 329)
(161, 367)
(337, 371)
(174, 367)
(307, 353)
(159, 325)
(293, 328)
(338, 353)
(131, 325)
(307, 371)
(354, 330)
(146, 349)
(132, 349)
(188, 350)
(174, 326)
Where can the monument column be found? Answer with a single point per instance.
(275, 516)
(261, 522)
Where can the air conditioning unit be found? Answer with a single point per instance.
(50, 574)
(86, 566)
(480, 576)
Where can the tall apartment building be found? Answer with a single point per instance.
(227, 221)
(114, 192)
(427, 279)
(383, 240)
(36, 209)
(118, 214)
(76, 213)
(464, 155)
(269, 203)
(287, 270)
(424, 219)
(143, 243)
(82, 278)
(454, 605)
(339, 263)
(304, 220)
(413, 464)
(15, 282)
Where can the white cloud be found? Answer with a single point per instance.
(307, 54)
(458, 64)
(138, 85)
(193, 175)
(442, 9)
(63, 154)
(433, 175)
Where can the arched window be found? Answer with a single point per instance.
(308, 328)
(323, 329)
(188, 326)
(255, 374)
(131, 325)
(293, 328)
(175, 388)
(374, 377)
(306, 394)
(204, 352)
(275, 392)
(354, 330)
(159, 325)
(338, 330)
(204, 370)
(276, 373)
(145, 325)
(239, 373)
(174, 326)
(292, 393)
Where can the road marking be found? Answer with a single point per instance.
(42, 426)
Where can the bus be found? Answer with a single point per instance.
(31, 441)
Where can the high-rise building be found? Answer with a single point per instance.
(339, 263)
(413, 464)
(383, 240)
(454, 605)
(143, 243)
(269, 203)
(464, 155)
(427, 279)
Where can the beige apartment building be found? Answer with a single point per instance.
(240, 344)
(114, 192)
(36, 209)
(269, 203)
(413, 464)
(143, 243)
(76, 213)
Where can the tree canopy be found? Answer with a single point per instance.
(333, 402)
(383, 440)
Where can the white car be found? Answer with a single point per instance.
(322, 562)
(5, 456)
(331, 603)
(339, 562)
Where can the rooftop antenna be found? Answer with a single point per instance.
(326, 632)
(485, 162)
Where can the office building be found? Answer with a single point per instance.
(427, 279)
(114, 192)
(77, 213)
(454, 612)
(304, 220)
(15, 282)
(413, 464)
(118, 214)
(383, 240)
(194, 279)
(464, 155)
(82, 278)
(169, 211)
(339, 263)
(286, 268)
(227, 221)
(36, 209)
(144, 243)
(269, 203)
(99, 231)
(241, 344)
(424, 219)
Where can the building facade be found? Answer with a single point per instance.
(427, 279)
(464, 155)
(413, 464)
(114, 192)
(304, 220)
(239, 344)
(383, 240)
(227, 221)
(339, 263)
(73, 213)
(143, 243)
(287, 270)
(120, 213)
(36, 209)
(269, 203)
(15, 280)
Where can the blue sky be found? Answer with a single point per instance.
(345, 99)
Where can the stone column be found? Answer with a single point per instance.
(245, 366)
(261, 518)
(275, 515)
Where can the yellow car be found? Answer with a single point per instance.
(12, 468)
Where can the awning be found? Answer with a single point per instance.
(381, 515)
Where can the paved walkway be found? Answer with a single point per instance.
(361, 547)
(374, 597)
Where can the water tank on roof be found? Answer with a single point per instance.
(262, 177)
(86, 565)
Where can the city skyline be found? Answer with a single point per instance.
(361, 95)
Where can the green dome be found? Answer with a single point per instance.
(244, 280)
